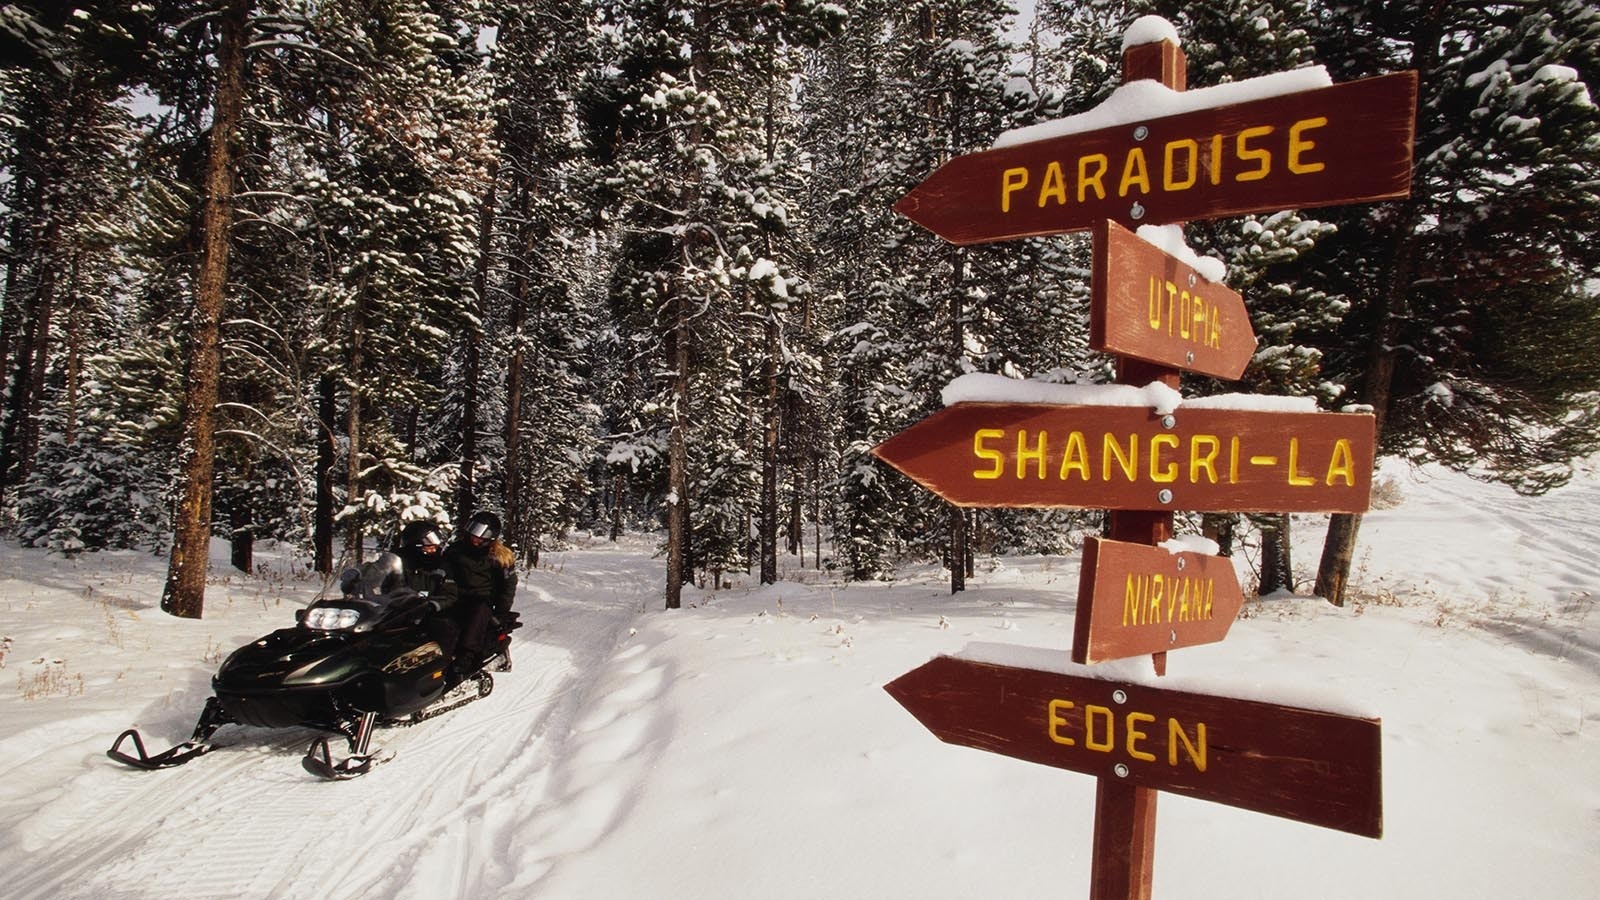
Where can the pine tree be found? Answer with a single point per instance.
(1492, 256)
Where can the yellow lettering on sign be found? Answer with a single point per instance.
(1133, 594)
(1134, 172)
(1037, 454)
(1298, 145)
(1159, 473)
(1171, 458)
(1075, 458)
(1100, 163)
(1054, 186)
(1054, 721)
(1011, 181)
(1295, 478)
(1203, 462)
(1176, 735)
(1262, 157)
(1191, 165)
(1128, 461)
(1099, 725)
(1343, 463)
(995, 457)
(1091, 712)
(1135, 735)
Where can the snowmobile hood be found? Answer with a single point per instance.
(291, 657)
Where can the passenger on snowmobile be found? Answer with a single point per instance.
(484, 573)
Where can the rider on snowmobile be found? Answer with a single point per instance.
(485, 574)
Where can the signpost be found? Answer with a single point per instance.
(1127, 458)
(1348, 143)
(1152, 306)
(1317, 767)
(1135, 599)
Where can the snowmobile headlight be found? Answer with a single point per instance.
(328, 618)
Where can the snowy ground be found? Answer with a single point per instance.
(744, 748)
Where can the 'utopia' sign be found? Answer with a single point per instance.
(1349, 143)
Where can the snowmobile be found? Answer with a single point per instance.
(350, 665)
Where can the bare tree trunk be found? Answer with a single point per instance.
(1277, 571)
(1338, 549)
(322, 525)
(678, 461)
(769, 456)
(184, 593)
(466, 488)
(516, 526)
(242, 535)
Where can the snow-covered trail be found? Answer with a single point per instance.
(247, 821)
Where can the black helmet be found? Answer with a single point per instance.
(483, 524)
(422, 535)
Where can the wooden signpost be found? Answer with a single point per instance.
(1347, 143)
(1316, 767)
(1151, 306)
(1127, 458)
(1135, 599)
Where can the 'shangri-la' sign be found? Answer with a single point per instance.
(1149, 305)
(1319, 767)
(1128, 458)
(1135, 599)
(1349, 143)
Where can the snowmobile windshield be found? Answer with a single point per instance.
(381, 576)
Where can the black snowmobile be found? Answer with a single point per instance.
(351, 664)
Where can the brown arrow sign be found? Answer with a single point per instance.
(1348, 143)
(1126, 458)
(1152, 306)
(1311, 766)
(1135, 599)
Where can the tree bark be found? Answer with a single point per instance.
(466, 487)
(327, 452)
(1277, 571)
(678, 460)
(769, 455)
(184, 593)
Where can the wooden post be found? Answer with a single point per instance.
(1124, 814)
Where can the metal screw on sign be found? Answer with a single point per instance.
(1141, 133)
(1193, 278)
(1137, 212)
(1169, 421)
(1188, 357)
(1181, 563)
(1121, 770)
(1119, 696)
(1165, 496)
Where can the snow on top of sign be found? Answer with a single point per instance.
(1138, 671)
(1146, 99)
(1169, 238)
(981, 387)
(1191, 543)
(1149, 30)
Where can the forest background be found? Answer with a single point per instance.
(296, 269)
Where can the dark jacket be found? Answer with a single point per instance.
(487, 574)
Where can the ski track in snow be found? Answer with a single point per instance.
(247, 821)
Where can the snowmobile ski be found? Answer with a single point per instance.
(166, 759)
(198, 744)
